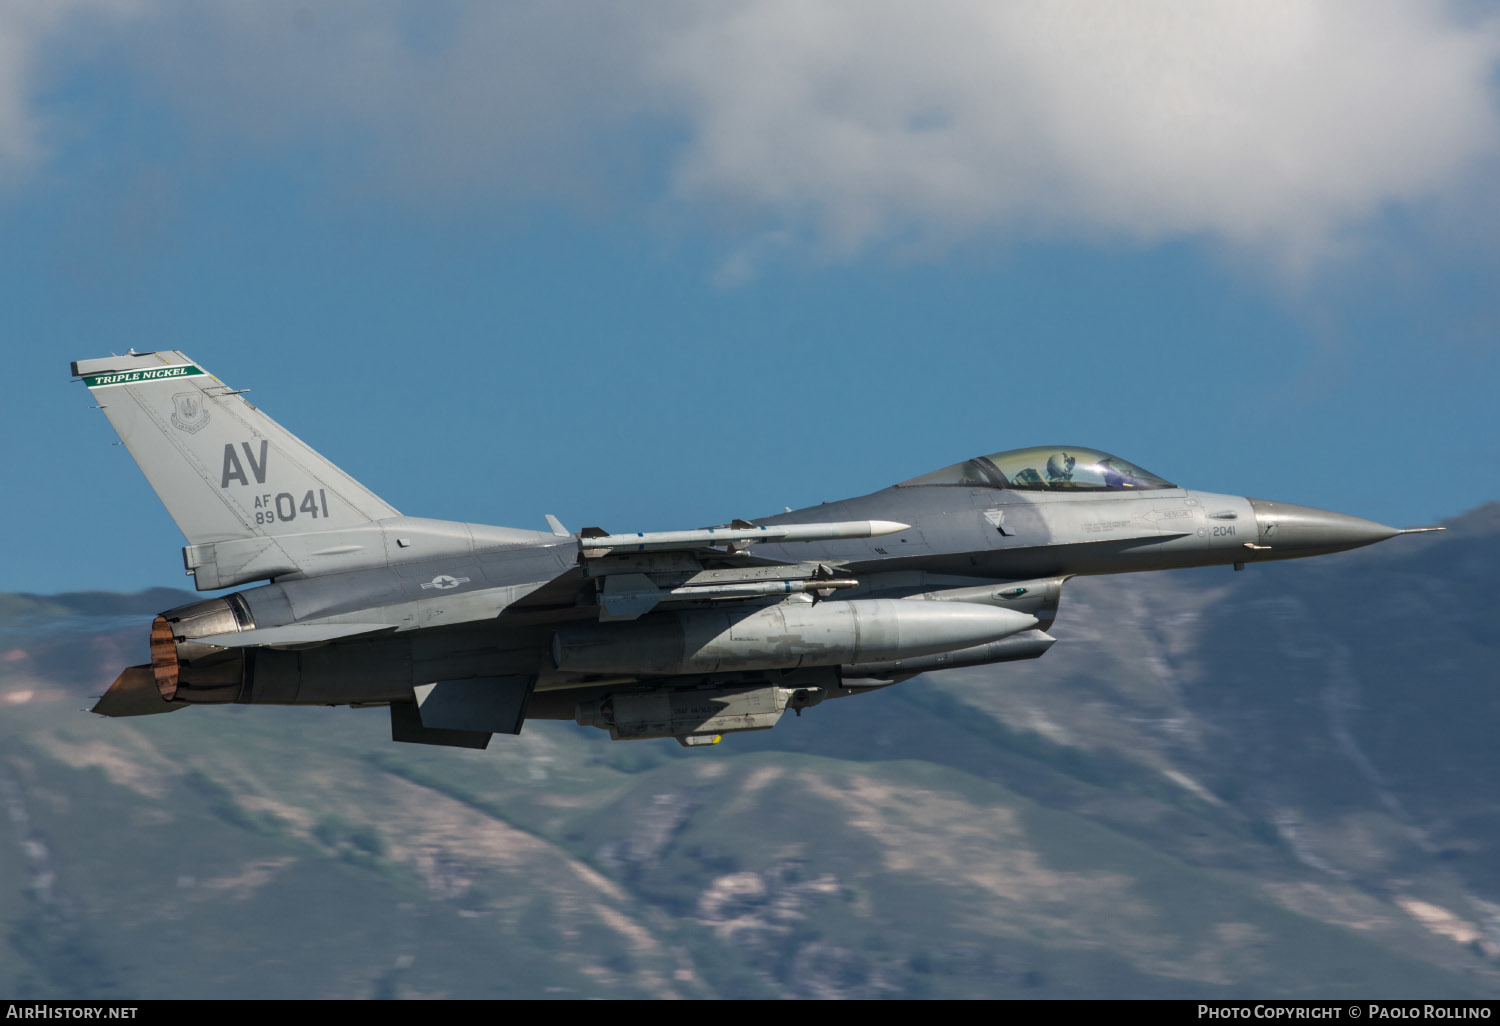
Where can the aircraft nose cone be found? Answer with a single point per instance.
(1287, 530)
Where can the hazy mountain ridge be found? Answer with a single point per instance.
(1273, 782)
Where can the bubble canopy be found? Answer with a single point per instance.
(1045, 468)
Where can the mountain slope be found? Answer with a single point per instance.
(1278, 782)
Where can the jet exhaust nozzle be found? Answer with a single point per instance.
(188, 671)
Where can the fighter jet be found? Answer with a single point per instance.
(463, 631)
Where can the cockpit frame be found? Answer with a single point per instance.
(1044, 468)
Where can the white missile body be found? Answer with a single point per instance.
(738, 536)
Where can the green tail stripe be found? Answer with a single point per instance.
(131, 377)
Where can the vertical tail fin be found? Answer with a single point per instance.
(225, 471)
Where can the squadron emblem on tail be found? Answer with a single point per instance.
(188, 412)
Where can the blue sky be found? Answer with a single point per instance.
(656, 266)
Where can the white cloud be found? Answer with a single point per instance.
(1273, 126)
(27, 27)
(1276, 127)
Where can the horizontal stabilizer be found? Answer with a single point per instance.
(735, 536)
(292, 634)
(134, 693)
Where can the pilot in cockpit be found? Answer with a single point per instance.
(1060, 470)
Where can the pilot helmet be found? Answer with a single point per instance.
(1060, 467)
